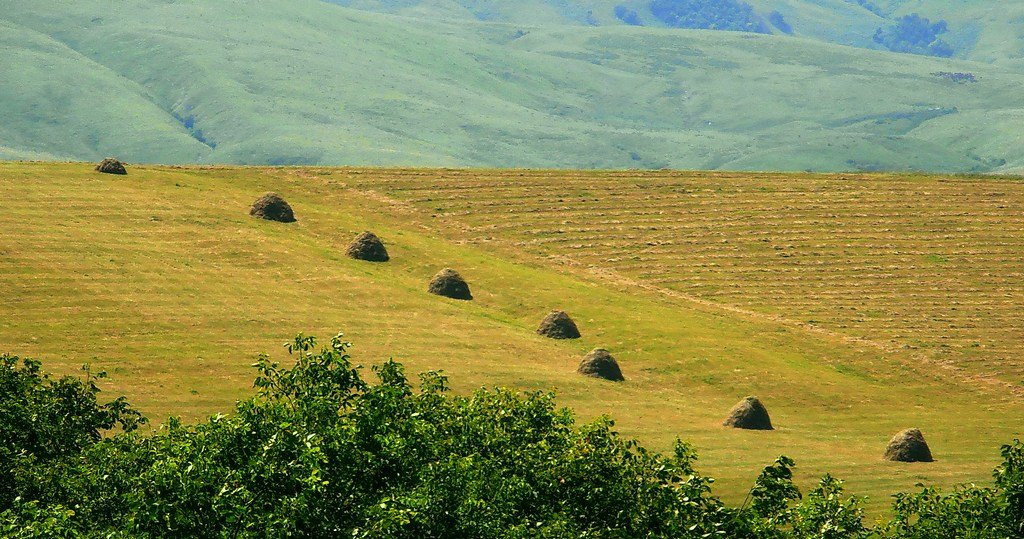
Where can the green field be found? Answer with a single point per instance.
(162, 279)
(306, 82)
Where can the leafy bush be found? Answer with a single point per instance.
(779, 22)
(319, 451)
(916, 35)
(628, 16)
(969, 511)
(957, 77)
(43, 420)
(870, 6)
(709, 14)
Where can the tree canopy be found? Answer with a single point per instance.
(709, 14)
(916, 35)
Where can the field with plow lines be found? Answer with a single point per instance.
(853, 306)
(932, 266)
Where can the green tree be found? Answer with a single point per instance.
(43, 420)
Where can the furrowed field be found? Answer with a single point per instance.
(932, 265)
(853, 306)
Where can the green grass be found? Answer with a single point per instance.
(162, 278)
(306, 82)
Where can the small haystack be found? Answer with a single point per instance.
(908, 446)
(111, 166)
(367, 246)
(558, 325)
(272, 208)
(450, 284)
(600, 364)
(749, 414)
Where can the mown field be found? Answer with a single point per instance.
(929, 265)
(853, 306)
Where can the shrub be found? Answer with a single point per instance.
(916, 35)
(628, 16)
(779, 22)
(733, 15)
(43, 420)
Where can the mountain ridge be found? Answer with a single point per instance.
(312, 83)
(977, 30)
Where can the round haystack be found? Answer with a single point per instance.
(600, 364)
(450, 284)
(908, 446)
(749, 414)
(111, 166)
(367, 246)
(272, 208)
(558, 325)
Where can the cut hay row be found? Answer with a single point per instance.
(929, 264)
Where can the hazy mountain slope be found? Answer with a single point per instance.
(993, 31)
(978, 29)
(57, 103)
(298, 82)
(308, 82)
(10, 154)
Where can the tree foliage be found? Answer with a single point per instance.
(628, 15)
(43, 420)
(916, 35)
(320, 451)
(779, 21)
(733, 15)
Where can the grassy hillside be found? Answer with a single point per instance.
(306, 82)
(57, 102)
(986, 31)
(163, 279)
(978, 30)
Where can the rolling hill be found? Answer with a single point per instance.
(162, 279)
(307, 82)
(977, 29)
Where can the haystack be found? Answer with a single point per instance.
(367, 246)
(600, 364)
(272, 208)
(450, 284)
(749, 414)
(908, 446)
(558, 325)
(111, 166)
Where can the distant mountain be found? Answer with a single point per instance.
(974, 29)
(308, 82)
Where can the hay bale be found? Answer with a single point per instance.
(450, 284)
(111, 166)
(367, 246)
(272, 208)
(908, 446)
(600, 364)
(749, 414)
(558, 325)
